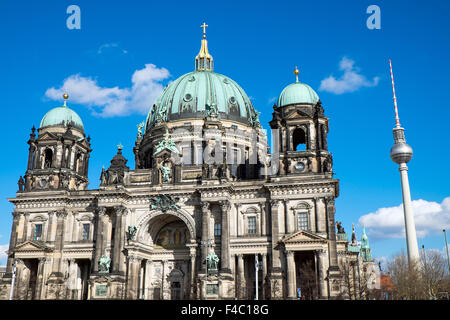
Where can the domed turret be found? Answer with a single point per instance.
(297, 93)
(62, 117)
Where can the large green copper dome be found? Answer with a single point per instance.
(192, 95)
(62, 116)
(203, 93)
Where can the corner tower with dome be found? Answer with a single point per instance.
(205, 201)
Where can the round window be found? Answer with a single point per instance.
(300, 166)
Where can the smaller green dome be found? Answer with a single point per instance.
(297, 93)
(62, 116)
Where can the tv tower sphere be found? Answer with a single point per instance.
(401, 152)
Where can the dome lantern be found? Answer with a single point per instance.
(204, 61)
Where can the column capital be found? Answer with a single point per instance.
(61, 214)
(329, 200)
(289, 253)
(101, 211)
(205, 206)
(120, 210)
(16, 214)
(225, 205)
(275, 202)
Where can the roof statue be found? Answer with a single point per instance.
(166, 143)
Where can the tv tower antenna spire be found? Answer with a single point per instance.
(401, 153)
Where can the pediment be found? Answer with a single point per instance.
(48, 136)
(32, 246)
(295, 114)
(303, 236)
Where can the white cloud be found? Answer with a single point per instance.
(429, 217)
(3, 255)
(350, 81)
(107, 46)
(115, 101)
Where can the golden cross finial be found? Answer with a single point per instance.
(204, 25)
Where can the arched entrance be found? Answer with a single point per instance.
(169, 266)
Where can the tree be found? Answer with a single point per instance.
(421, 280)
(434, 273)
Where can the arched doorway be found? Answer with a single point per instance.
(168, 277)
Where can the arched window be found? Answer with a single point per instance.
(78, 163)
(299, 139)
(48, 158)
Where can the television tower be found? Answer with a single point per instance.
(401, 153)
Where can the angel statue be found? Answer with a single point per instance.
(139, 128)
(212, 260)
(103, 264)
(166, 173)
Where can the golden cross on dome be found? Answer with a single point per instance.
(204, 25)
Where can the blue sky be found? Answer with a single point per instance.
(257, 44)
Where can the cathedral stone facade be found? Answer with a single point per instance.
(206, 212)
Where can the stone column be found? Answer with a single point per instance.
(225, 239)
(264, 275)
(118, 256)
(263, 218)
(40, 278)
(26, 217)
(205, 232)
(101, 211)
(134, 264)
(12, 243)
(148, 279)
(291, 277)
(74, 226)
(332, 246)
(241, 278)
(50, 226)
(238, 220)
(276, 262)
(322, 271)
(316, 216)
(286, 217)
(192, 256)
(59, 243)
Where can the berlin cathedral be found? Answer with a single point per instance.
(208, 212)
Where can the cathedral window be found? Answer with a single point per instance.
(48, 154)
(199, 151)
(299, 139)
(187, 155)
(302, 221)
(251, 225)
(86, 231)
(217, 229)
(38, 231)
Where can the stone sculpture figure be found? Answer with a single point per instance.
(21, 183)
(104, 264)
(212, 261)
(139, 128)
(166, 174)
(103, 178)
(132, 232)
(339, 227)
